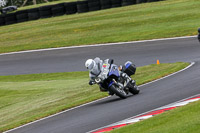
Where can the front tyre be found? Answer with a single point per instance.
(119, 92)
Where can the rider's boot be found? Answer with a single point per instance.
(126, 77)
(134, 84)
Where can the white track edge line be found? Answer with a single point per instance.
(191, 64)
(143, 113)
(96, 45)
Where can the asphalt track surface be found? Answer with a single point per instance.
(111, 109)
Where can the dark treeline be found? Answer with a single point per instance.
(20, 3)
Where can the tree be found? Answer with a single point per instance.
(20, 3)
(3, 3)
(34, 2)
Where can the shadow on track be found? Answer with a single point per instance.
(111, 99)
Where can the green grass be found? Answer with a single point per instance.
(163, 19)
(180, 120)
(25, 98)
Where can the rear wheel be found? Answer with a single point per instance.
(133, 88)
(118, 91)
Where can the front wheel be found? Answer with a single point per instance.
(118, 91)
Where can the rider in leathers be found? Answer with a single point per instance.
(95, 67)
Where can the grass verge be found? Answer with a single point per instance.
(25, 98)
(162, 19)
(185, 119)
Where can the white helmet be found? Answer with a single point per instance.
(90, 64)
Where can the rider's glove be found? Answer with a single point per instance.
(91, 82)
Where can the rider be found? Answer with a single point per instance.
(94, 67)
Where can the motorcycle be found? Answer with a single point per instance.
(117, 81)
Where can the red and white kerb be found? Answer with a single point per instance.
(147, 115)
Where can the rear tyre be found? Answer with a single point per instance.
(133, 88)
(119, 92)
